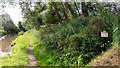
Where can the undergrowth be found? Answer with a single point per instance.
(73, 43)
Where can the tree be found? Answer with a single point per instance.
(65, 14)
(8, 25)
(84, 10)
(25, 6)
(77, 8)
(55, 7)
(34, 17)
(71, 10)
(50, 16)
(21, 28)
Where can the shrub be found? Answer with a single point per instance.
(68, 44)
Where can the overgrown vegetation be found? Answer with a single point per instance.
(62, 35)
(7, 26)
(74, 43)
(19, 53)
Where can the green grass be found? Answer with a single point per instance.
(19, 55)
(21, 33)
(42, 58)
(35, 44)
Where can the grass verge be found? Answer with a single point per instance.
(35, 44)
(19, 55)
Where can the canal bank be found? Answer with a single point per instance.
(19, 55)
(5, 42)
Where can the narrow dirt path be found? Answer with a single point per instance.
(32, 59)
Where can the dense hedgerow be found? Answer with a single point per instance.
(72, 43)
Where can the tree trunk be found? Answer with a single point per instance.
(77, 8)
(84, 10)
(56, 10)
(71, 10)
(64, 11)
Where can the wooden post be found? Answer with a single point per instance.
(104, 35)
